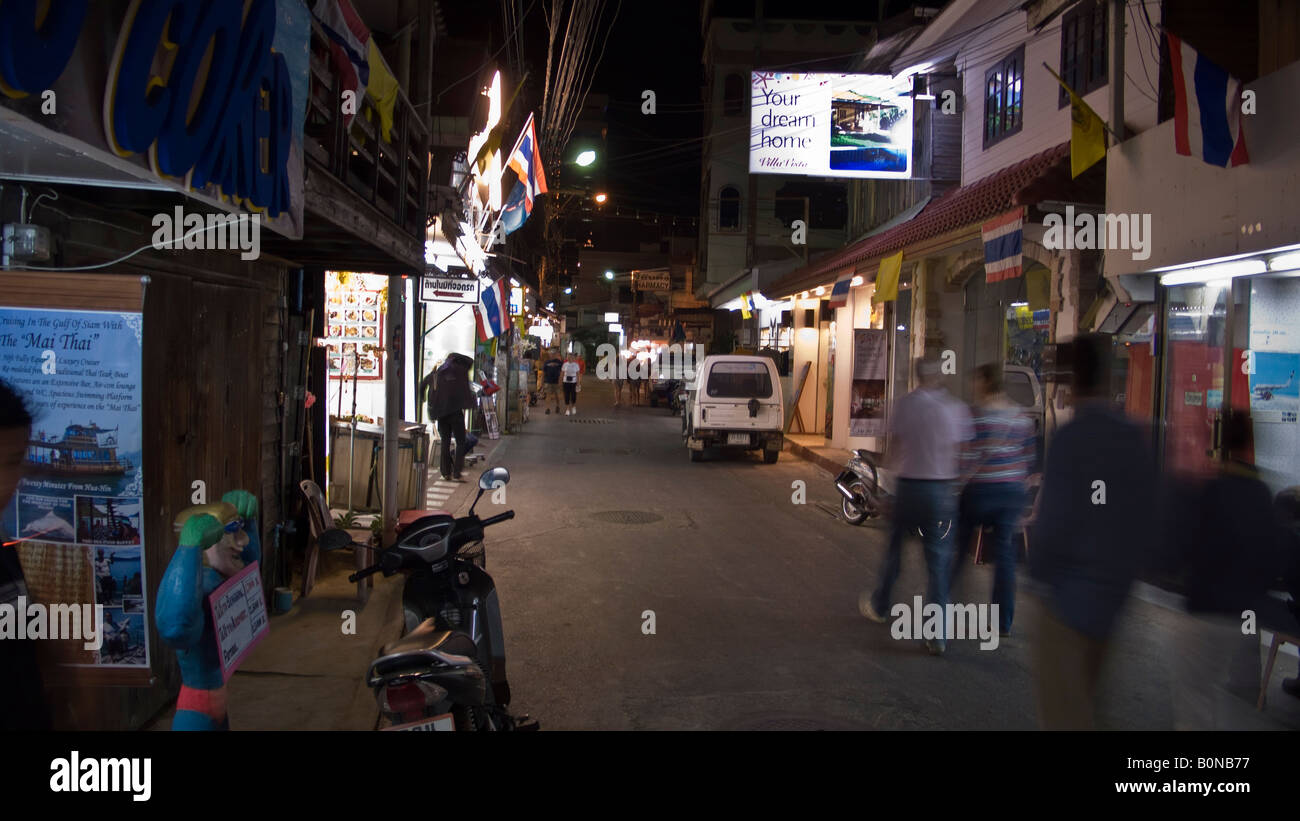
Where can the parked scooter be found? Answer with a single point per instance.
(665, 391)
(678, 402)
(859, 484)
(448, 672)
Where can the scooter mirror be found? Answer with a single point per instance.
(334, 539)
(492, 476)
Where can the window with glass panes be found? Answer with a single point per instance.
(1084, 49)
(1003, 97)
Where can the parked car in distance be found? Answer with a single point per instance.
(735, 403)
(662, 390)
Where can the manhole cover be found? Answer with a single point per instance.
(627, 517)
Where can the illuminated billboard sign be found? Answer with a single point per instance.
(830, 125)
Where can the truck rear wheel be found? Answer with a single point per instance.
(697, 455)
(770, 456)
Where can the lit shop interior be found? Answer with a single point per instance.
(357, 314)
(1239, 317)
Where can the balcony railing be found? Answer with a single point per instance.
(390, 175)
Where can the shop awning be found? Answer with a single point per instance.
(760, 278)
(1044, 176)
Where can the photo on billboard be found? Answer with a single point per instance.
(831, 125)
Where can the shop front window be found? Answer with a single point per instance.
(1266, 374)
(902, 349)
(1001, 327)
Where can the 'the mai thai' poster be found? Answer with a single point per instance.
(77, 511)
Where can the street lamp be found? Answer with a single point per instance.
(601, 198)
(609, 275)
(586, 158)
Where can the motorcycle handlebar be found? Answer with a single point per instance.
(492, 520)
(369, 571)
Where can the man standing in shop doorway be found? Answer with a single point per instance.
(451, 397)
(551, 369)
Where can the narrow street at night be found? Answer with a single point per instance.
(923, 371)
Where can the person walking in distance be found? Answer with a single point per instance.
(451, 397)
(570, 374)
(551, 380)
(926, 430)
(995, 465)
(1096, 522)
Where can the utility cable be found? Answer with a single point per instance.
(124, 258)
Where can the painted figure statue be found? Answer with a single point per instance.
(216, 542)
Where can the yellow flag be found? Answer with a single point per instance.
(1087, 131)
(1038, 287)
(887, 279)
(383, 87)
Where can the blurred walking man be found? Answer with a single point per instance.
(927, 428)
(1096, 523)
(996, 466)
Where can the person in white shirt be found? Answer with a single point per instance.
(926, 430)
(570, 374)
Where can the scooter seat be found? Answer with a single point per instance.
(427, 636)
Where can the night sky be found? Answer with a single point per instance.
(654, 159)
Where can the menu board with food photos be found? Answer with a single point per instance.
(354, 324)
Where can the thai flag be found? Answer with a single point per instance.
(526, 162)
(1207, 108)
(349, 46)
(1002, 245)
(493, 311)
(840, 291)
(516, 209)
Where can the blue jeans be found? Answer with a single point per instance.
(931, 506)
(999, 505)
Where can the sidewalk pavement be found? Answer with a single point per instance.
(813, 448)
(308, 674)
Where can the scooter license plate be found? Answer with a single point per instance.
(442, 723)
(737, 438)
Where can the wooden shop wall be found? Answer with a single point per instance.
(212, 379)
